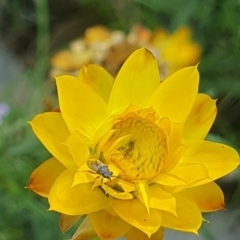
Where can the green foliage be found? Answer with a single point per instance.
(22, 212)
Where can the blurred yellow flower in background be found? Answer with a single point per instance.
(110, 49)
(129, 155)
(177, 49)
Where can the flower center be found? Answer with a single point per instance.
(138, 147)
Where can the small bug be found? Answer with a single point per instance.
(100, 168)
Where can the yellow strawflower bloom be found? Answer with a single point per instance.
(129, 155)
(178, 50)
(110, 49)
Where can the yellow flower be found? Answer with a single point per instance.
(130, 154)
(178, 50)
(90, 48)
(110, 49)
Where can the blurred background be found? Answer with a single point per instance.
(41, 39)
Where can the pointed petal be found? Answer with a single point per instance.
(165, 124)
(174, 157)
(135, 82)
(98, 78)
(219, 159)
(175, 136)
(77, 200)
(176, 150)
(189, 218)
(201, 118)
(185, 172)
(81, 107)
(135, 213)
(85, 231)
(78, 147)
(161, 199)
(142, 192)
(175, 96)
(83, 175)
(209, 197)
(52, 132)
(108, 225)
(173, 183)
(66, 222)
(182, 176)
(135, 233)
(116, 194)
(126, 186)
(44, 176)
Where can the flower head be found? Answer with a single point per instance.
(177, 49)
(130, 154)
(110, 49)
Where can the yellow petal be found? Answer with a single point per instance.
(84, 176)
(98, 78)
(175, 136)
(77, 200)
(135, 82)
(98, 181)
(161, 199)
(201, 118)
(126, 186)
(209, 197)
(182, 176)
(135, 213)
(189, 218)
(102, 135)
(85, 231)
(219, 159)
(172, 182)
(77, 144)
(175, 96)
(135, 233)
(176, 150)
(44, 176)
(118, 143)
(117, 194)
(52, 132)
(142, 192)
(184, 171)
(81, 107)
(108, 225)
(174, 157)
(165, 124)
(66, 222)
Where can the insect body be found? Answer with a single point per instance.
(100, 168)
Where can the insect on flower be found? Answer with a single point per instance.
(100, 168)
